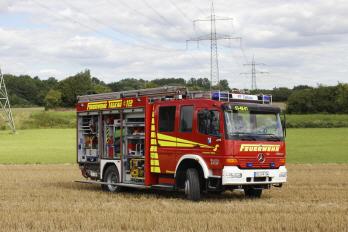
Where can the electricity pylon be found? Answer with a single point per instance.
(6, 112)
(213, 37)
(253, 72)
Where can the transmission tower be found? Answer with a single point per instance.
(6, 112)
(213, 37)
(253, 72)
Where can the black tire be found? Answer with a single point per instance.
(111, 176)
(192, 185)
(251, 192)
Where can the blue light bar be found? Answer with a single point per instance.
(249, 165)
(219, 95)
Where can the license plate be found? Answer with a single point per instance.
(261, 174)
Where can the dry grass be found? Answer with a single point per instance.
(44, 198)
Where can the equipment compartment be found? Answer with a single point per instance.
(88, 138)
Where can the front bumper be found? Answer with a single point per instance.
(232, 175)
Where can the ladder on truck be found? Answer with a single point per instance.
(179, 92)
(160, 92)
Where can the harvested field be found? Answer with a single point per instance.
(44, 198)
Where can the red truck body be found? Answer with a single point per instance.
(156, 141)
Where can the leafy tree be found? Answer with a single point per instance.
(53, 99)
(224, 85)
(301, 101)
(79, 84)
(127, 84)
(198, 84)
(281, 94)
(301, 87)
(169, 81)
(341, 100)
(324, 99)
(99, 88)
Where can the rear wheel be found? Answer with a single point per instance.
(252, 192)
(192, 185)
(111, 176)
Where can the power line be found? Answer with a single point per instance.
(157, 13)
(133, 9)
(150, 18)
(72, 19)
(75, 21)
(164, 19)
(114, 29)
(199, 9)
(103, 33)
(180, 11)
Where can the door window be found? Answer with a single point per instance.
(209, 122)
(166, 122)
(186, 116)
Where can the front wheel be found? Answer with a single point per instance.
(192, 185)
(251, 192)
(111, 176)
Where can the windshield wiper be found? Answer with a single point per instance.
(244, 136)
(271, 137)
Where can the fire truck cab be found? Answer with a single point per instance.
(170, 138)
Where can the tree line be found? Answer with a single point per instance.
(27, 91)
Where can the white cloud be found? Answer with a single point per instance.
(301, 42)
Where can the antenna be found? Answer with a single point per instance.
(213, 37)
(6, 112)
(253, 72)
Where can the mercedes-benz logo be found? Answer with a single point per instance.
(261, 158)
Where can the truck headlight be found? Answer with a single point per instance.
(282, 174)
(234, 175)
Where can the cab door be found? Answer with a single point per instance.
(209, 133)
(187, 142)
(166, 137)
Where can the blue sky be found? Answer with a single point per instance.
(301, 42)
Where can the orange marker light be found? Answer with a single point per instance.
(231, 161)
(282, 161)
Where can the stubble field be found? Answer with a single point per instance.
(45, 198)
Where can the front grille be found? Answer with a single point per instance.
(252, 163)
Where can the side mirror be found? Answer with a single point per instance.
(284, 124)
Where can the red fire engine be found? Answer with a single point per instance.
(170, 138)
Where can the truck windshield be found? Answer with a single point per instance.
(253, 125)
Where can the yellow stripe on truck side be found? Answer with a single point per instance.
(154, 162)
(168, 141)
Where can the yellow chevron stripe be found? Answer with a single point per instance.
(156, 169)
(166, 137)
(154, 155)
(154, 163)
(153, 148)
(182, 142)
(164, 143)
(153, 142)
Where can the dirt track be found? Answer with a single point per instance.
(44, 198)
